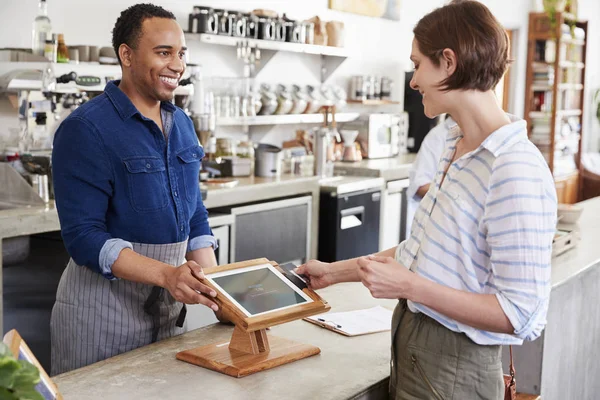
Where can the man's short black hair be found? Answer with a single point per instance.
(128, 27)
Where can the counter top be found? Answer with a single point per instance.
(253, 188)
(36, 219)
(587, 252)
(389, 169)
(152, 372)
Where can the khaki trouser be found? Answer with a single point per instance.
(430, 361)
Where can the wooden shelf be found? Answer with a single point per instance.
(547, 124)
(559, 114)
(372, 102)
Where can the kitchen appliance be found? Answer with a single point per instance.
(251, 26)
(323, 143)
(224, 20)
(350, 152)
(418, 123)
(380, 135)
(266, 28)
(199, 315)
(394, 219)
(349, 217)
(268, 160)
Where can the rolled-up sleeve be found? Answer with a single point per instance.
(201, 235)
(83, 184)
(520, 219)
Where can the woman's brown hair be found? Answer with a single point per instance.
(479, 41)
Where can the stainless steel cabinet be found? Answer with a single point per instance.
(394, 214)
(278, 230)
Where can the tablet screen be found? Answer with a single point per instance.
(258, 289)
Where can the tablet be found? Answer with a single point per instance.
(256, 294)
(259, 289)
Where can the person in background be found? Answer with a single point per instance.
(422, 172)
(475, 272)
(125, 169)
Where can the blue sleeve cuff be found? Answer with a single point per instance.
(202, 242)
(109, 254)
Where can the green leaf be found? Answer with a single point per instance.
(27, 377)
(5, 350)
(6, 395)
(9, 368)
(28, 394)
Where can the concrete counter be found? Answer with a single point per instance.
(345, 368)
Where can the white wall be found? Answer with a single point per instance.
(379, 46)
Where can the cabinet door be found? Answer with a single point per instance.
(560, 191)
(277, 230)
(571, 189)
(567, 189)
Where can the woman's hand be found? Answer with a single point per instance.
(317, 272)
(385, 277)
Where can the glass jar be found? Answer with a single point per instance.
(225, 148)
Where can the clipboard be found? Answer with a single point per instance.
(355, 323)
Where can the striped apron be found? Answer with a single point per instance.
(95, 318)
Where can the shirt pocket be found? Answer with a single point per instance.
(189, 160)
(147, 183)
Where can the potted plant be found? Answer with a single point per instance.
(18, 378)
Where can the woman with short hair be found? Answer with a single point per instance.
(475, 272)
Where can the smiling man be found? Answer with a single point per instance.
(125, 170)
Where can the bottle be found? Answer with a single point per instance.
(62, 53)
(50, 50)
(41, 29)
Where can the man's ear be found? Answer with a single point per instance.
(125, 54)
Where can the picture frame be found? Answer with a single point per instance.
(46, 387)
(250, 350)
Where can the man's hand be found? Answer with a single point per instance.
(317, 272)
(185, 283)
(385, 277)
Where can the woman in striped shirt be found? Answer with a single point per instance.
(475, 272)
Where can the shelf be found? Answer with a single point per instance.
(561, 86)
(570, 86)
(372, 102)
(284, 119)
(575, 42)
(571, 64)
(331, 56)
(559, 114)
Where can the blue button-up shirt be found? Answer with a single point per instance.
(118, 180)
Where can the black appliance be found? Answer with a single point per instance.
(418, 123)
(349, 218)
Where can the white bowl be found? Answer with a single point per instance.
(569, 213)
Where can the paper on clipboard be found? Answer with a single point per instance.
(354, 323)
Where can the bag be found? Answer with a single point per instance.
(510, 386)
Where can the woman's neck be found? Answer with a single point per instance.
(478, 116)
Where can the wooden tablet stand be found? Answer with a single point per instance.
(248, 353)
(250, 350)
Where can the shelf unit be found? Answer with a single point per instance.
(331, 57)
(284, 119)
(372, 102)
(554, 97)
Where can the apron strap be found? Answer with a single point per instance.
(181, 318)
(152, 307)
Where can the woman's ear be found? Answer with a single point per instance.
(448, 61)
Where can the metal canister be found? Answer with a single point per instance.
(386, 88)
(357, 91)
